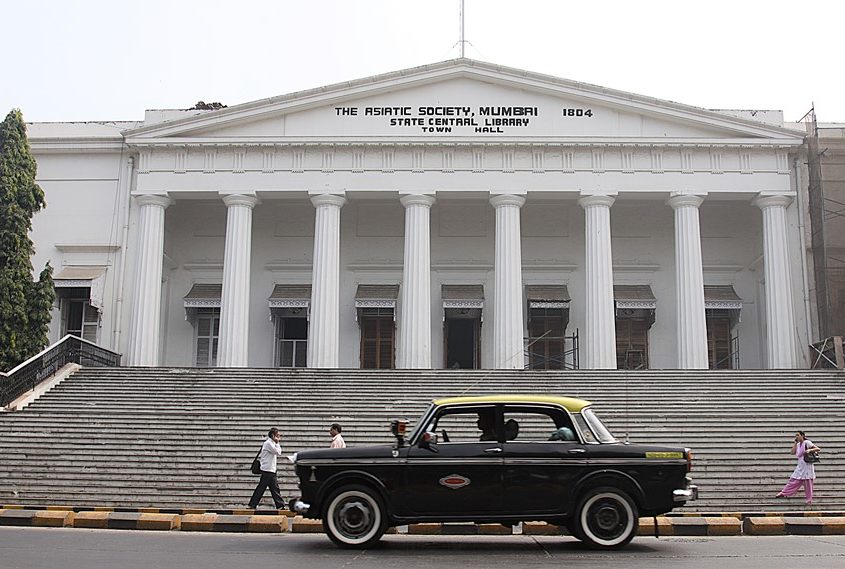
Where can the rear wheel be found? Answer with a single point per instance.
(606, 518)
(354, 517)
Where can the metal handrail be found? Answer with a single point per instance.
(70, 349)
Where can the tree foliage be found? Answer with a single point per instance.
(24, 303)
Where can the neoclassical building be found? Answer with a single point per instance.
(460, 214)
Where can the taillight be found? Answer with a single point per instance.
(688, 452)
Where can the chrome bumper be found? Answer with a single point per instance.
(299, 507)
(690, 493)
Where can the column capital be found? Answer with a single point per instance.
(328, 199)
(772, 199)
(417, 199)
(507, 200)
(160, 200)
(685, 199)
(246, 200)
(592, 200)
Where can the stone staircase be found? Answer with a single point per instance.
(163, 437)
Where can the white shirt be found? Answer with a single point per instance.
(270, 451)
(338, 442)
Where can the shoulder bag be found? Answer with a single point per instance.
(811, 458)
(256, 464)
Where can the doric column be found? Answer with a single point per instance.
(507, 302)
(146, 308)
(780, 315)
(600, 328)
(689, 282)
(233, 350)
(324, 332)
(415, 321)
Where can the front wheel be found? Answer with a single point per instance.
(606, 518)
(354, 517)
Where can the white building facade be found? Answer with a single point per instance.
(457, 215)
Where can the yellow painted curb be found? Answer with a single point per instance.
(764, 526)
(268, 524)
(540, 528)
(664, 525)
(723, 526)
(198, 522)
(53, 519)
(98, 520)
(494, 529)
(164, 522)
(60, 508)
(303, 525)
(834, 525)
(425, 529)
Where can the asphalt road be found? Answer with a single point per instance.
(44, 548)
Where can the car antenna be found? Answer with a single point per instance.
(485, 376)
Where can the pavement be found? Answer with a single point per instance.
(281, 521)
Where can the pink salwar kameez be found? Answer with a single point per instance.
(803, 475)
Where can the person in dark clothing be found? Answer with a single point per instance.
(270, 452)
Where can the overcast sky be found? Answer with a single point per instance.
(71, 60)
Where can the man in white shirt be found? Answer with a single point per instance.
(337, 440)
(270, 451)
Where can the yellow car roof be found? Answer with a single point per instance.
(570, 404)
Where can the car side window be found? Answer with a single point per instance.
(465, 426)
(524, 425)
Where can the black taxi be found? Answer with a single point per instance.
(502, 459)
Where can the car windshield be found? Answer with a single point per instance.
(597, 427)
(418, 426)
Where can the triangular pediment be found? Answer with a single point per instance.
(463, 101)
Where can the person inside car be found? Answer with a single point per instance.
(487, 425)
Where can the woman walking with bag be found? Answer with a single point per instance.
(804, 473)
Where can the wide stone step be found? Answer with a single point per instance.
(194, 432)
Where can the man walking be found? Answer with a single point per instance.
(337, 439)
(270, 451)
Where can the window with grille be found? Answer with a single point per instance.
(291, 342)
(632, 343)
(546, 330)
(378, 333)
(719, 343)
(207, 327)
(80, 319)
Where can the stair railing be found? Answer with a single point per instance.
(70, 349)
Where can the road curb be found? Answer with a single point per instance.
(662, 526)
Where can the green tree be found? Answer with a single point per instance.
(24, 303)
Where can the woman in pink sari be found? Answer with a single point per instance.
(804, 473)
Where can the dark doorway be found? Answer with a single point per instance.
(462, 343)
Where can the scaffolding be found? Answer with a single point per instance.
(826, 196)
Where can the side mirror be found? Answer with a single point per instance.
(428, 440)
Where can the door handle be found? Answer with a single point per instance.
(577, 450)
(493, 450)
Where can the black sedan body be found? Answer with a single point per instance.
(500, 459)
